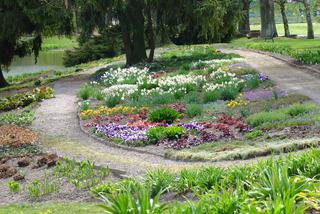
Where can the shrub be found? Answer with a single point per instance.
(156, 133)
(86, 91)
(260, 118)
(13, 186)
(253, 82)
(300, 109)
(194, 110)
(112, 101)
(85, 105)
(173, 132)
(229, 93)
(211, 96)
(167, 115)
(93, 49)
(254, 134)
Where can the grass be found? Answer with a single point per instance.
(303, 50)
(295, 28)
(59, 42)
(61, 208)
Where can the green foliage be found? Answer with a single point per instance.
(229, 93)
(300, 109)
(81, 176)
(277, 192)
(136, 198)
(167, 115)
(85, 105)
(13, 186)
(211, 96)
(253, 82)
(23, 118)
(254, 134)
(304, 55)
(98, 47)
(159, 181)
(158, 133)
(38, 188)
(24, 99)
(112, 101)
(173, 132)
(86, 91)
(282, 115)
(193, 110)
(260, 118)
(29, 17)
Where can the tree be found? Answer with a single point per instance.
(140, 21)
(306, 4)
(268, 25)
(282, 4)
(244, 23)
(23, 24)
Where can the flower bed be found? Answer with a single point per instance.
(202, 102)
(25, 99)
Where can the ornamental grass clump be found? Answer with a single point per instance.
(167, 115)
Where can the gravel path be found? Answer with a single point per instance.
(57, 122)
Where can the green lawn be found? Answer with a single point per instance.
(293, 43)
(59, 42)
(52, 208)
(295, 28)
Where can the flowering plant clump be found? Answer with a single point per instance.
(238, 102)
(123, 75)
(263, 77)
(128, 134)
(105, 111)
(262, 94)
(121, 91)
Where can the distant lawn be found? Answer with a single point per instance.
(296, 28)
(59, 42)
(50, 208)
(293, 43)
(306, 51)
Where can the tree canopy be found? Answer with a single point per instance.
(24, 22)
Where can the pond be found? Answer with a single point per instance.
(47, 60)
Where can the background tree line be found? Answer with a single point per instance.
(111, 27)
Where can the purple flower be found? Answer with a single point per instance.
(193, 125)
(261, 94)
(126, 133)
(263, 77)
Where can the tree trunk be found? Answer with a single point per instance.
(309, 19)
(244, 24)
(3, 82)
(268, 25)
(132, 28)
(315, 8)
(150, 32)
(284, 18)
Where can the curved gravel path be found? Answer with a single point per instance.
(291, 79)
(57, 122)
